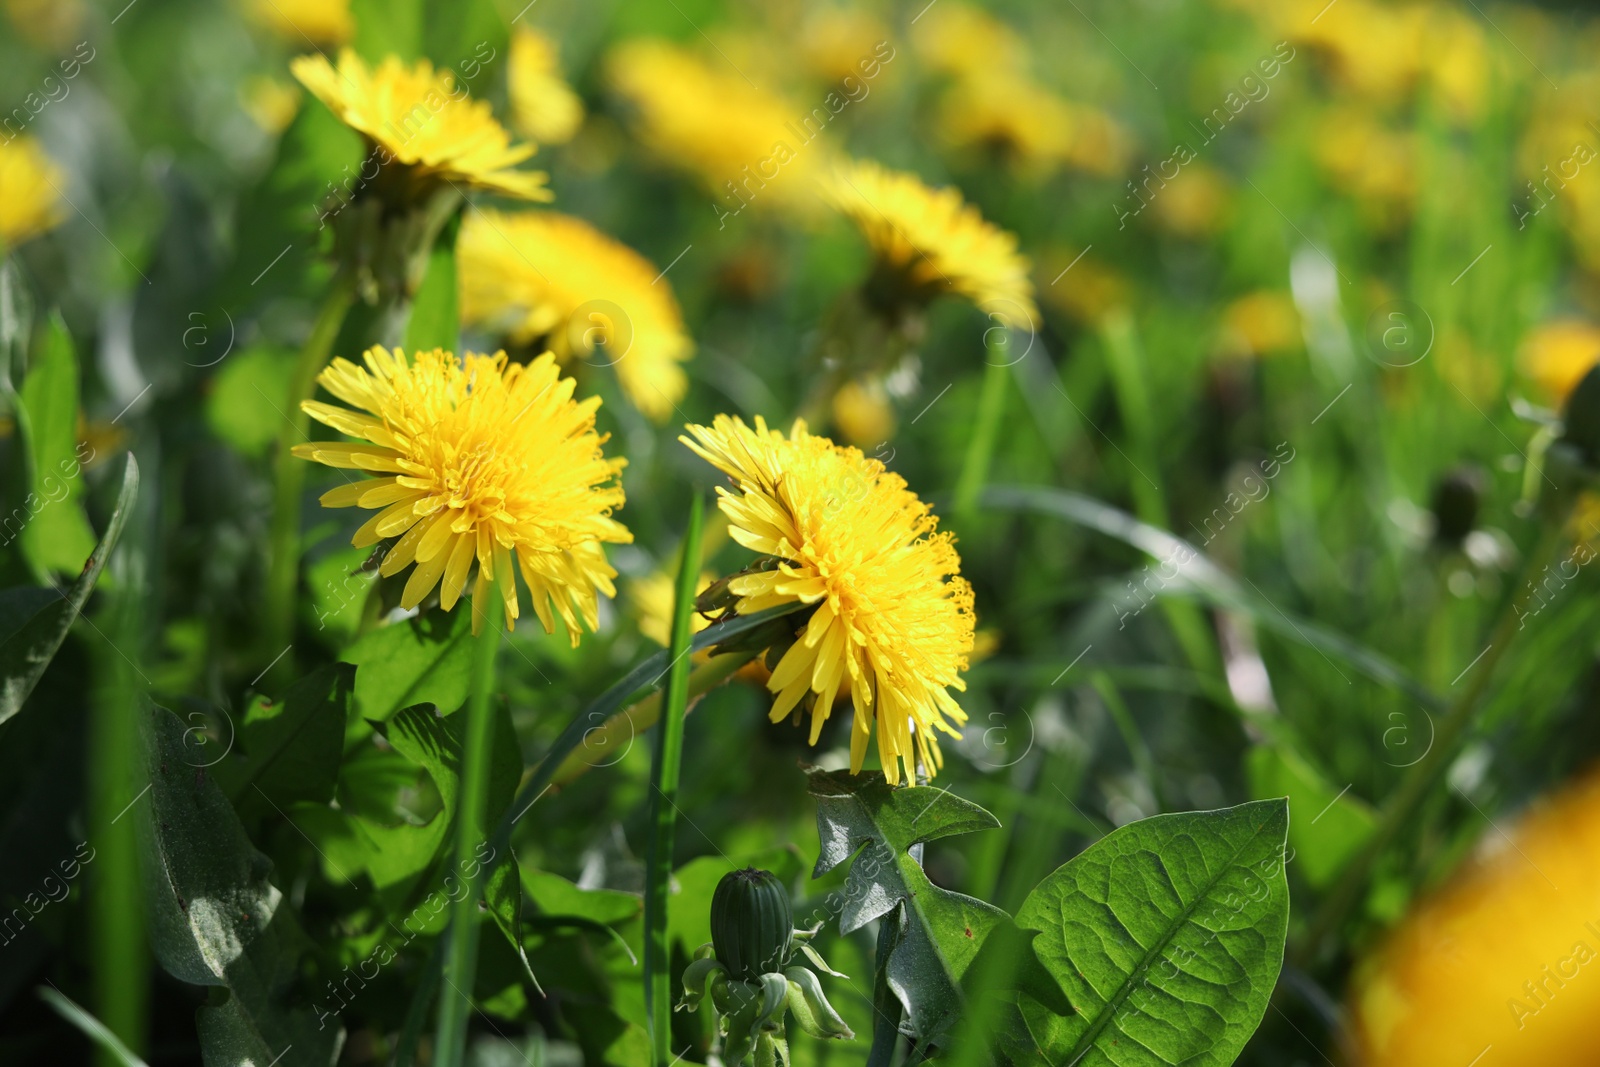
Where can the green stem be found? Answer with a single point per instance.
(116, 901)
(289, 477)
(1419, 778)
(986, 431)
(664, 799)
(461, 962)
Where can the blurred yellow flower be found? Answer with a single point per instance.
(30, 191)
(476, 459)
(542, 278)
(652, 599)
(930, 241)
(1500, 957)
(271, 103)
(1081, 286)
(746, 143)
(543, 106)
(1369, 162)
(863, 413)
(1262, 323)
(1194, 204)
(958, 39)
(892, 622)
(1557, 354)
(50, 25)
(315, 22)
(835, 41)
(420, 118)
(1032, 126)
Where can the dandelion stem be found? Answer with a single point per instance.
(289, 477)
(461, 961)
(1419, 778)
(664, 800)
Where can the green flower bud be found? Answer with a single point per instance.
(751, 923)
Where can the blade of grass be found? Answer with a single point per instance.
(289, 478)
(986, 431)
(1133, 401)
(461, 953)
(111, 1049)
(664, 800)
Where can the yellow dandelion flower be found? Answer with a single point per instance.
(476, 460)
(319, 22)
(892, 623)
(1556, 356)
(51, 25)
(543, 105)
(748, 144)
(418, 117)
(1194, 204)
(932, 241)
(539, 276)
(1031, 126)
(1500, 956)
(1371, 163)
(30, 198)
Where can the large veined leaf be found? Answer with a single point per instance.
(27, 650)
(1166, 936)
(214, 917)
(938, 932)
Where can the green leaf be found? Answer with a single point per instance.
(1166, 936)
(387, 27)
(58, 536)
(425, 660)
(213, 916)
(553, 895)
(434, 322)
(938, 932)
(290, 749)
(28, 649)
(245, 404)
(1327, 826)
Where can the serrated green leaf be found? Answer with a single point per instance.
(57, 537)
(27, 651)
(214, 917)
(940, 932)
(1327, 826)
(290, 749)
(1166, 936)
